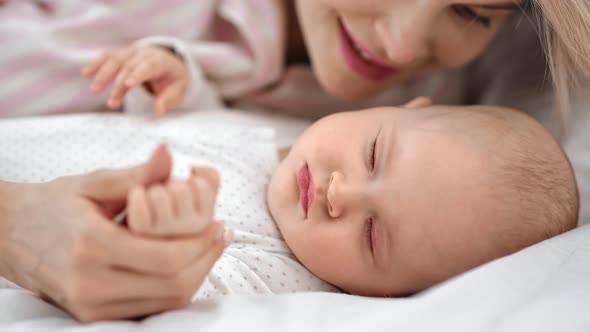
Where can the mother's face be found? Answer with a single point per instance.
(359, 48)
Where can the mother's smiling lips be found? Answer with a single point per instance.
(362, 60)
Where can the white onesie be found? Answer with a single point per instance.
(33, 150)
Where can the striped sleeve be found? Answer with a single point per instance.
(38, 72)
(46, 43)
(241, 52)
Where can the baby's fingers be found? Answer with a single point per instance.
(204, 184)
(105, 75)
(207, 173)
(174, 212)
(106, 67)
(188, 220)
(91, 68)
(120, 89)
(141, 73)
(164, 211)
(169, 98)
(140, 216)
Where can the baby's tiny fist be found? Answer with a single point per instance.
(209, 174)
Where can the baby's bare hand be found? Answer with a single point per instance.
(176, 208)
(159, 70)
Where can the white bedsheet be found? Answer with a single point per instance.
(543, 288)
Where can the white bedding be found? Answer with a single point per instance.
(543, 288)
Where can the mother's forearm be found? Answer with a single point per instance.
(12, 196)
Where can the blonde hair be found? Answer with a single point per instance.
(565, 26)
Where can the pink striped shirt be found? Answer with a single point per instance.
(46, 43)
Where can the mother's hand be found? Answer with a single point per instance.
(57, 239)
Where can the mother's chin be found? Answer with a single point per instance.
(348, 86)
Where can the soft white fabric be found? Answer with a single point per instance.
(259, 261)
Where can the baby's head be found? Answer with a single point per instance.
(390, 201)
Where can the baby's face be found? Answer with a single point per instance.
(384, 201)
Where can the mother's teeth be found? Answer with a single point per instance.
(362, 53)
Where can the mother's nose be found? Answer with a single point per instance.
(404, 35)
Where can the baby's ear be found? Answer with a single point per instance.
(418, 103)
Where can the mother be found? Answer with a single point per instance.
(374, 52)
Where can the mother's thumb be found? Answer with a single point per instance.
(113, 185)
(158, 168)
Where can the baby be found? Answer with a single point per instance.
(380, 202)
(390, 201)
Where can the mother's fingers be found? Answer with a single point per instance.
(115, 284)
(157, 256)
(206, 262)
(109, 188)
(152, 294)
(129, 308)
(183, 284)
(140, 217)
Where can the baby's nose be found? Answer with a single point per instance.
(341, 195)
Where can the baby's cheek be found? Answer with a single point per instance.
(278, 192)
(321, 252)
